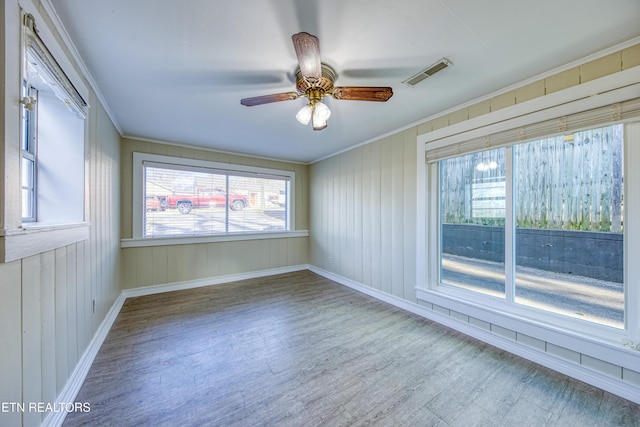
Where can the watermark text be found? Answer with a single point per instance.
(44, 407)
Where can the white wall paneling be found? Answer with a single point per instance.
(363, 214)
(46, 318)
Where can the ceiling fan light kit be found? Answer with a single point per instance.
(318, 113)
(304, 115)
(314, 80)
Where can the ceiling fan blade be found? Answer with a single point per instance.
(266, 99)
(362, 93)
(307, 49)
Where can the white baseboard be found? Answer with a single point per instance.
(75, 381)
(579, 372)
(198, 283)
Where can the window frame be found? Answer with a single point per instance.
(507, 303)
(62, 85)
(139, 239)
(584, 337)
(18, 238)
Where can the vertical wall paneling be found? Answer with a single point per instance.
(201, 260)
(213, 256)
(375, 211)
(160, 262)
(278, 247)
(61, 317)
(335, 240)
(357, 217)
(173, 260)
(365, 239)
(144, 267)
(11, 333)
(386, 207)
(31, 341)
(397, 215)
(72, 308)
(48, 331)
(188, 268)
(346, 215)
(319, 210)
(409, 209)
(333, 255)
(365, 218)
(83, 304)
(325, 229)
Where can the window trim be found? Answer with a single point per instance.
(501, 307)
(20, 239)
(606, 342)
(33, 238)
(138, 238)
(37, 50)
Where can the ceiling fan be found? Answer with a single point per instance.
(314, 80)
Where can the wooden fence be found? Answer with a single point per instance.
(560, 183)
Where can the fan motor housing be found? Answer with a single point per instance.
(325, 83)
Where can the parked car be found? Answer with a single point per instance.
(206, 197)
(155, 203)
(279, 199)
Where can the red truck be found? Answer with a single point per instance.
(206, 198)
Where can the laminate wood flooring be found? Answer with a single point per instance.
(299, 350)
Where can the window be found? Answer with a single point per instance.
(539, 224)
(569, 220)
(28, 151)
(46, 204)
(178, 197)
(549, 252)
(52, 137)
(472, 221)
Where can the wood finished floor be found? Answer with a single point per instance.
(299, 350)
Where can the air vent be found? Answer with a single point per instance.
(428, 72)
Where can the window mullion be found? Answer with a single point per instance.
(509, 229)
(434, 235)
(226, 205)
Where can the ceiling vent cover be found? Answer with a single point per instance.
(428, 72)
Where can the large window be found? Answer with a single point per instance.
(182, 197)
(538, 225)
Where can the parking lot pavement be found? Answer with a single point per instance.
(212, 221)
(575, 296)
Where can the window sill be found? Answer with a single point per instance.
(33, 239)
(602, 342)
(187, 240)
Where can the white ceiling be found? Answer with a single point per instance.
(176, 70)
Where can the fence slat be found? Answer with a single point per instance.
(572, 184)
